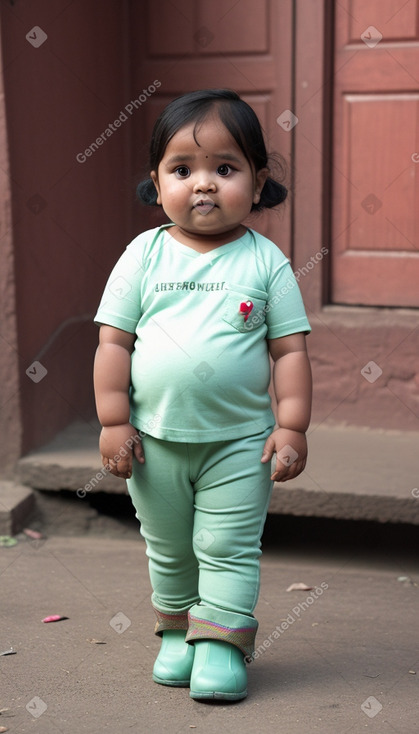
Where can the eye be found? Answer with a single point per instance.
(182, 171)
(224, 169)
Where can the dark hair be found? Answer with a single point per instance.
(239, 119)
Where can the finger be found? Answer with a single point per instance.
(125, 474)
(268, 450)
(111, 467)
(139, 452)
(279, 472)
(280, 475)
(128, 470)
(105, 463)
(284, 471)
(292, 471)
(124, 467)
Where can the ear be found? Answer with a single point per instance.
(260, 180)
(155, 180)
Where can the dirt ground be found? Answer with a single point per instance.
(344, 656)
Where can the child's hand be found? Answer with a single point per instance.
(289, 445)
(117, 445)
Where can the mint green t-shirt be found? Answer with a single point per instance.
(200, 368)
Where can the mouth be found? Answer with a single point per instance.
(204, 206)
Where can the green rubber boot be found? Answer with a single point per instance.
(219, 671)
(174, 662)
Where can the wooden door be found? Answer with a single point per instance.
(375, 191)
(194, 44)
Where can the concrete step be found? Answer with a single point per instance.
(70, 461)
(352, 473)
(16, 506)
(355, 473)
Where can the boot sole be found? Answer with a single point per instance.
(219, 695)
(168, 682)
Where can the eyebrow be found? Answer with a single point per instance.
(179, 159)
(228, 157)
(188, 157)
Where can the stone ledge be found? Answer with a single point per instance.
(355, 473)
(16, 505)
(70, 461)
(352, 473)
(344, 506)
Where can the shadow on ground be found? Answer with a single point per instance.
(63, 513)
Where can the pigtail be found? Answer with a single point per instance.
(272, 194)
(275, 190)
(146, 192)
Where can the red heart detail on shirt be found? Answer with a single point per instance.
(245, 308)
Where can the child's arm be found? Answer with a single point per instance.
(112, 376)
(292, 383)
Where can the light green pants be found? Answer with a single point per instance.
(202, 508)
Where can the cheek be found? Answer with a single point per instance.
(173, 198)
(241, 189)
(239, 196)
(175, 191)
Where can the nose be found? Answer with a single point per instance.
(204, 181)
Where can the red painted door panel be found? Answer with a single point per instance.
(375, 199)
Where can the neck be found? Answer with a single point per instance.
(205, 243)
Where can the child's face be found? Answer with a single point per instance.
(207, 189)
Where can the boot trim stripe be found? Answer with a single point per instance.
(203, 629)
(174, 621)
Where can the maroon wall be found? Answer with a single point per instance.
(70, 218)
(89, 75)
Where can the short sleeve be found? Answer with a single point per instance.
(121, 301)
(285, 312)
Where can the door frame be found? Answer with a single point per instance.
(313, 104)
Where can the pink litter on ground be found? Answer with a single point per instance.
(54, 618)
(32, 533)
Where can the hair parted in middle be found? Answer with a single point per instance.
(239, 119)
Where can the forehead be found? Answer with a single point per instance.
(209, 136)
